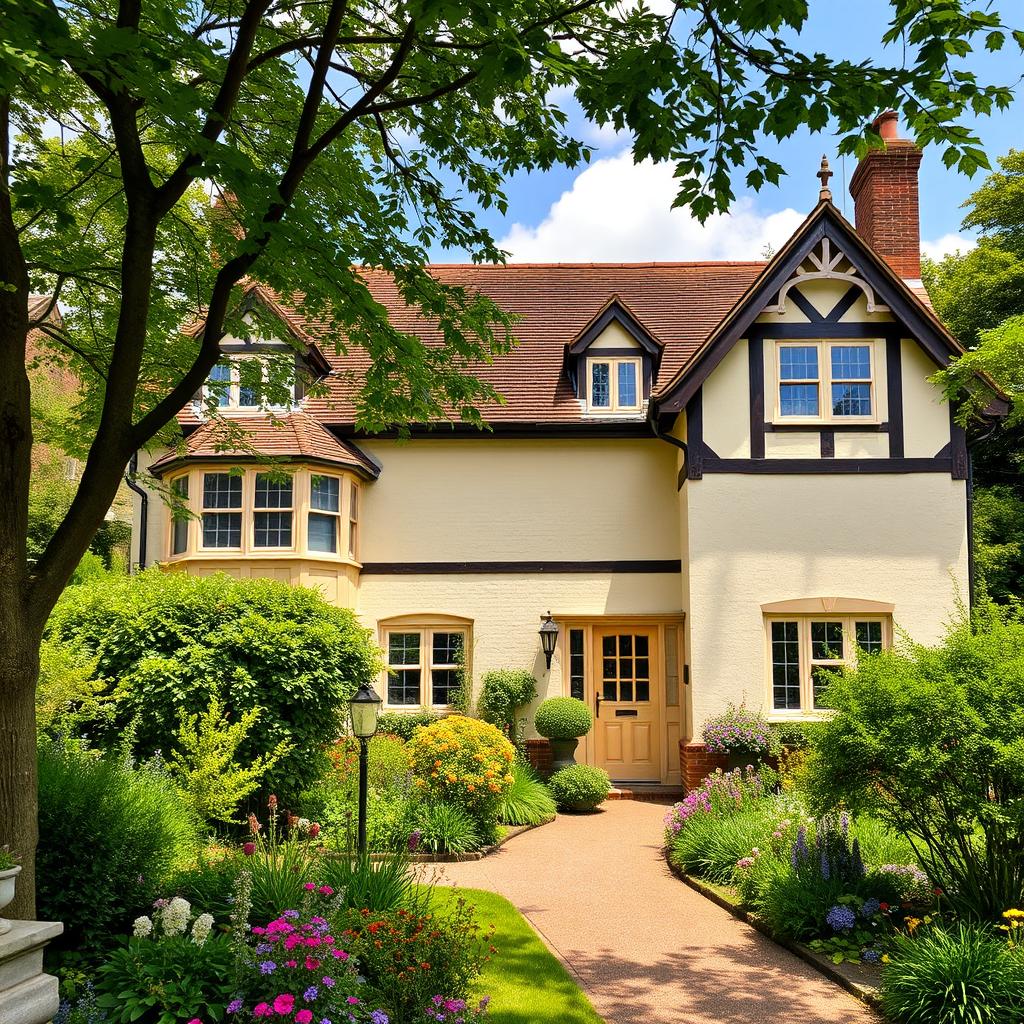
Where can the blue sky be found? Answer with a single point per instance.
(615, 210)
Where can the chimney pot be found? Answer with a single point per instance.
(887, 125)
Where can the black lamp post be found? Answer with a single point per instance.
(548, 637)
(364, 708)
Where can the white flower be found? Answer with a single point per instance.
(175, 916)
(142, 927)
(201, 928)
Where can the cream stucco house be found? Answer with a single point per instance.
(715, 476)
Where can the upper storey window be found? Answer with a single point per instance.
(614, 384)
(825, 381)
(242, 383)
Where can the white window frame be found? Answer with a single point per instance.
(426, 664)
(234, 388)
(353, 520)
(807, 663)
(825, 380)
(174, 484)
(256, 510)
(613, 363)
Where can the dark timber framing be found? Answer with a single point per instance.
(636, 565)
(894, 391)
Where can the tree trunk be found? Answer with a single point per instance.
(19, 827)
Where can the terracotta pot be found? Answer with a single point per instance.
(562, 753)
(8, 880)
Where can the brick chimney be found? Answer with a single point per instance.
(885, 200)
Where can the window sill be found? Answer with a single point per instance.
(851, 421)
(259, 554)
(790, 717)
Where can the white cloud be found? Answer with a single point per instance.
(947, 244)
(617, 210)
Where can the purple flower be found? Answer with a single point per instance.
(377, 1017)
(268, 967)
(235, 1005)
(264, 947)
(414, 840)
(311, 993)
(329, 982)
(841, 919)
(826, 868)
(871, 956)
(870, 907)
(290, 913)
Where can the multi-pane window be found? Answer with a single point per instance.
(613, 384)
(424, 666)
(222, 527)
(626, 667)
(804, 651)
(179, 519)
(353, 519)
(324, 514)
(250, 383)
(577, 664)
(825, 380)
(272, 519)
(219, 383)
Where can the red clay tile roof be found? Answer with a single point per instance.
(292, 435)
(678, 303)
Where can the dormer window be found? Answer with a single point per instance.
(239, 383)
(614, 384)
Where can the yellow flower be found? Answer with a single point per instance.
(1013, 913)
(912, 923)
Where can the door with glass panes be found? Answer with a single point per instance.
(627, 702)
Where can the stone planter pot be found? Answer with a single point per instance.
(8, 880)
(738, 760)
(562, 753)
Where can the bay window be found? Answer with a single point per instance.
(179, 516)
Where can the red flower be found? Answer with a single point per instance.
(249, 849)
(937, 891)
(314, 830)
(883, 907)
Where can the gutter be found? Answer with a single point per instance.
(652, 419)
(129, 479)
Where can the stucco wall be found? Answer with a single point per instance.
(755, 539)
(495, 499)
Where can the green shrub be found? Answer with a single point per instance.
(208, 882)
(109, 836)
(928, 741)
(504, 692)
(205, 767)
(563, 718)
(404, 723)
(446, 827)
(961, 976)
(465, 761)
(165, 643)
(68, 694)
(580, 787)
(529, 801)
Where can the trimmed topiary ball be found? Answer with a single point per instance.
(579, 788)
(563, 718)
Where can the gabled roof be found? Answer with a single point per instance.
(824, 222)
(294, 436)
(615, 310)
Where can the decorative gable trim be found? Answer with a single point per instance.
(823, 235)
(615, 309)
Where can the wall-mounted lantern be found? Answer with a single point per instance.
(548, 637)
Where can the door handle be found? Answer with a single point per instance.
(597, 704)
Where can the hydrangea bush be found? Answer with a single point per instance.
(739, 731)
(462, 760)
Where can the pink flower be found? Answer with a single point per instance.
(352, 1001)
(311, 964)
(303, 1017)
(291, 963)
(326, 890)
(261, 1010)
(339, 954)
(309, 886)
(248, 849)
(272, 802)
(195, 1020)
(284, 1003)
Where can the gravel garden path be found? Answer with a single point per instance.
(644, 946)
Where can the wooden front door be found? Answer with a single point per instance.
(628, 702)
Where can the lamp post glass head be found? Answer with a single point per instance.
(548, 637)
(364, 707)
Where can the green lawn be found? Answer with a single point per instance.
(527, 985)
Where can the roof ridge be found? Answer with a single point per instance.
(611, 265)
